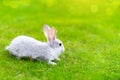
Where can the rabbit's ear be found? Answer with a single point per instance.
(47, 31)
(53, 33)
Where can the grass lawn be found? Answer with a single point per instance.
(89, 29)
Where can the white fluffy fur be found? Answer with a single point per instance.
(24, 46)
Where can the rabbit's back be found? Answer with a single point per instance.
(23, 46)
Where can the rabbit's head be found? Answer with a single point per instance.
(53, 42)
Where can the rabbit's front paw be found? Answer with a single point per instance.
(58, 59)
(52, 63)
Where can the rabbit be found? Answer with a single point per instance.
(25, 46)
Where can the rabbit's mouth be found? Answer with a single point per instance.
(63, 49)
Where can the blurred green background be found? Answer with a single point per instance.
(89, 29)
(55, 10)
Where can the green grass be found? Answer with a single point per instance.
(89, 29)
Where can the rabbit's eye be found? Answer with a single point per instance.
(60, 44)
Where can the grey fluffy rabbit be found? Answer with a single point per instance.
(24, 46)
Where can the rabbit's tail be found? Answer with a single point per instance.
(7, 48)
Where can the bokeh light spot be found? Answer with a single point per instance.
(94, 8)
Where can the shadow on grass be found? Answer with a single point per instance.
(26, 59)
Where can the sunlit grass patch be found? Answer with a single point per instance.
(15, 3)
